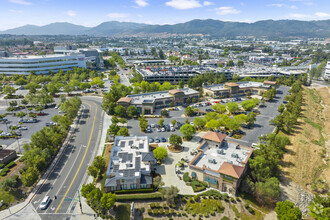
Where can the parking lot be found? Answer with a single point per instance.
(12, 143)
(250, 136)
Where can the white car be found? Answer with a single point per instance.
(44, 203)
(23, 128)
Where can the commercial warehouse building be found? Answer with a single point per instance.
(40, 64)
(130, 164)
(220, 163)
(147, 103)
(237, 89)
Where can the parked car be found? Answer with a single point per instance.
(172, 129)
(163, 129)
(163, 139)
(158, 129)
(41, 113)
(44, 203)
(152, 125)
(231, 134)
(148, 130)
(157, 140)
(23, 128)
(151, 140)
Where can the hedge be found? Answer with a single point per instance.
(148, 196)
(2, 165)
(130, 191)
(11, 164)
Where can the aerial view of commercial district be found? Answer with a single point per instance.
(204, 119)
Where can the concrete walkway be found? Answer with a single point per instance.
(167, 170)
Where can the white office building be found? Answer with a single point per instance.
(40, 64)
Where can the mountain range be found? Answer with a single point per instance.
(216, 28)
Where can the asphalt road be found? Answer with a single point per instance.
(69, 173)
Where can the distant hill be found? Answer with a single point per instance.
(267, 28)
(58, 28)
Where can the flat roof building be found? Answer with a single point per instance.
(130, 164)
(40, 64)
(237, 89)
(219, 162)
(147, 103)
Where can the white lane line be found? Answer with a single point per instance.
(67, 174)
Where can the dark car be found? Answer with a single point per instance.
(41, 113)
(163, 139)
(231, 134)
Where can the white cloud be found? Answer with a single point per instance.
(283, 5)
(117, 15)
(226, 11)
(141, 3)
(71, 13)
(207, 3)
(183, 4)
(322, 14)
(15, 11)
(20, 2)
(277, 5)
(299, 16)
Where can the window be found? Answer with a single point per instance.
(133, 186)
(143, 186)
(112, 188)
(123, 186)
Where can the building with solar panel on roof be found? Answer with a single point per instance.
(130, 164)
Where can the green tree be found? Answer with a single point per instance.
(160, 153)
(281, 108)
(219, 108)
(68, 88)
(248, 105)
(8, 90)
(181, 84)
(189, 111)
(39, 108)
(250, 118)
(143, 124)
(157, 182)
(233, 124)
(173, 122)
(169, 194)
(30, 176)
(20, 114)
(108, 200)
(86, 189)
(113, 129)
(287, 210)
(99, 163)
(10, 183)
(213, 124)
(164, 113)
(188, 131)
(232, 107)
(132, 111)
(92, 171)
(123, 131)
(230, 63)
(175, 140)
(269, 191)
(161, 122)
(199, 123)
(120, 111)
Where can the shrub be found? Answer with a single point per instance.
(1, 165)
(198, 185)
(225, 218)
(147, 196)
(236, 211)
(232, 200)
(225, 196)
(167, 212)
(251, 210)
(129, 191)
(11, 164)
(196, 198)
(142, 209)
(155, 211)
(246, 206)
(172, 211)
(150, 211)
(186, 177)
(164, 205)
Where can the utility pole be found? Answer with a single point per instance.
(80, 203)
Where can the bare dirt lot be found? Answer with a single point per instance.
(305, 166)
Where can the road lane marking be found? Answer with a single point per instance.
(89, 142)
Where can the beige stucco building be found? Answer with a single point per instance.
(220, 163)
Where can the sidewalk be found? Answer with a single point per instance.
(18, 209)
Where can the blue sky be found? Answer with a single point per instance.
(14, 13)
